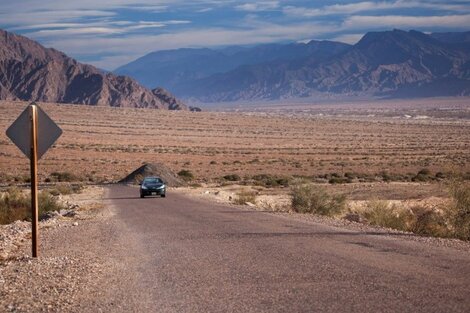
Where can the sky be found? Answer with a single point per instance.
(110, 33)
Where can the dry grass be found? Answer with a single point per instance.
(383, 213)
(245, 196)
(460, 209)
(308, 198)
(16, 205)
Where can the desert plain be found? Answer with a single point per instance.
(362, 148)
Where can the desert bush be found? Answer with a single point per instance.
(423, 175)
(267, 180)
(232, 177)
(62, 177)
(16, 205)
(428, 222)
(460, 209)
(382, 213)
(66, 189)
(245, 196)
(339, 180)
(186, 175)
(308, 198)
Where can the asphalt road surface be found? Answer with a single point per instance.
(186, 255)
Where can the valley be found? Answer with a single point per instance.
(363, 143)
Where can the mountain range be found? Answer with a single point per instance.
(31, 72)
(393, 63)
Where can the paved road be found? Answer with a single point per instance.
(193, 256)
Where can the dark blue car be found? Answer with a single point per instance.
(152, 186)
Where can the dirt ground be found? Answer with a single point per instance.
(104, 144)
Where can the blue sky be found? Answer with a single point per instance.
(109, 33)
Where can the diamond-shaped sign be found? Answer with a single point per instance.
(20, 132)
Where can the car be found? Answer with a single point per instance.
(152, 186)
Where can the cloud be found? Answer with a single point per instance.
(119, 50)
(75, 31)
(399, 21)
(351, 8)
(258, 6)
(203, 10)
(348, 38)
(53, 16)
(94, 28)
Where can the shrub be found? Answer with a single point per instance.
(186, 175)
(428, 222)
(232, 177)
(308, 198)
(16, 205)
(425, 172)
(66, 189)
(382, 213)
(339, 180)
(245, 196)
(460, 209)
(422, 176)
(62, 177)
(267, 180)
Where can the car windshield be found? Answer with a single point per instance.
(153, 181)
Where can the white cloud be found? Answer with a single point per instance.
(351, 8)
(75, 31)
(258, 6)
(126, 49)
(95, 28)
(348, 38)
(204, 10)
(53, 16)
(399, 21)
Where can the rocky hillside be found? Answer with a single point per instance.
(184, 66)
(31, 72)
(391, 64)
(382, 64)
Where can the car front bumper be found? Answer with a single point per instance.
(149, 192)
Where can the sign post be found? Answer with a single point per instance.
(33, 132)
(34, 178)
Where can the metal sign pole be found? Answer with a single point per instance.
(24, 133)
(34, 178)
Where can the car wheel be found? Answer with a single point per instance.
(163, 195)
(141, 195)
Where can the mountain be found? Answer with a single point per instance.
(173, 68)
(30, 72)
(382, 64)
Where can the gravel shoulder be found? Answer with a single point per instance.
(75, 264)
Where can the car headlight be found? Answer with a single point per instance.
(161, 187)
(143, 187)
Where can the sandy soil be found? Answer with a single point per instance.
(105, 144)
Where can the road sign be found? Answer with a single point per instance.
(34, 132)
(20, 132)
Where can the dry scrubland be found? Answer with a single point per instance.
(400, 151)
(335, 143)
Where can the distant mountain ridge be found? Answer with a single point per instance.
(382, 64)
(173, 68)
(30, 72)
